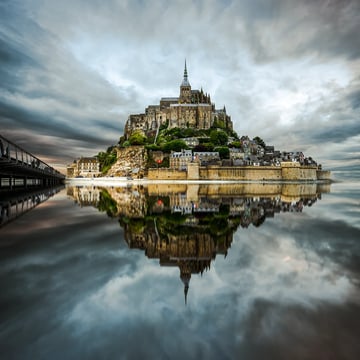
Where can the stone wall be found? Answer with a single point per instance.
(324, 175)
(292, 171)
(252, 173)
(193, 172)
(167, 174)
(245, 173)
(131, 161)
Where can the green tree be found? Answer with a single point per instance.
(107, 204)
(189, 132)
(236, 144)
(107, 158)
(153, 147)
(121, 140)
(174, 145)
(164, 126)
(204, 147)
(219, 137)
(224, 152)
(137, 138)
(233, 134)
(259, 141)
(219, 123)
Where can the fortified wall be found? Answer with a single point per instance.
(288, 171)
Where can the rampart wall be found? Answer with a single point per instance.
(324, 175)
(167, 174)
(251, 173)
(286, 172)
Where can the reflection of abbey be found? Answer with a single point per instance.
(187, 226)
(192, 109)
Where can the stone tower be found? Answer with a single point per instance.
(185, 89)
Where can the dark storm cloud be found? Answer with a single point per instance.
(338, 117)
(336, 133)
(296, 325)
(11, 62)
(45, 92)
(354, 99)
(277, 29)
(14, 117)
(339, 247)
(79, 68)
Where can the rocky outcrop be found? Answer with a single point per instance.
(131, 161)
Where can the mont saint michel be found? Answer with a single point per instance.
(188, 138)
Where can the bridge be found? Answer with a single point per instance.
(16, 203)
(21, 169)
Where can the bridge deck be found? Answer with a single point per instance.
(17, 163)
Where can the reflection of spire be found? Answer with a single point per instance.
(186, 289)
(185, 276)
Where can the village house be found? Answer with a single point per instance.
(84, 167)
(207, 157)
(179, 160)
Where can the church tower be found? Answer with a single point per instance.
(185, 89)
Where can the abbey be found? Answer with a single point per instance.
(192, 109)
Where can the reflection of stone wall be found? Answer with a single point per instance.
(292, 192)
(192, 192)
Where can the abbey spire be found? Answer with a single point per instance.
(185, 81)
(185, 88)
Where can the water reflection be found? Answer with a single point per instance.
(14, 204)
(188, 225)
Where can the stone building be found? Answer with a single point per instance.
(84, 167)
(192, 109)
(207, 157)
(180, 159)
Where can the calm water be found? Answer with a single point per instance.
(174, 272)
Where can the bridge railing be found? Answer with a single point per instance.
(13, 153)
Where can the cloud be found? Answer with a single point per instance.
(287, 72)
(279, 287)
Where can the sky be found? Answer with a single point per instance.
(72, 71)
